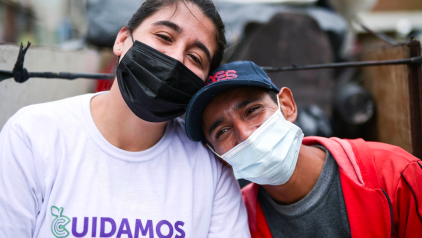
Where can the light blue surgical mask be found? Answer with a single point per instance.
(269, 155)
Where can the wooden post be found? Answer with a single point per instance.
(397, 91)
(415, 103)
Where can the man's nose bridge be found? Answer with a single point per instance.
(243, 130)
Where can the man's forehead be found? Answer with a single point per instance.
(233, 99)
(230, 97)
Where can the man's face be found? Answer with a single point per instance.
(232, 116)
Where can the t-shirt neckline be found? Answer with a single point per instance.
(116, 152)
(315, 196)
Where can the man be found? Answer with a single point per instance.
(317, 187)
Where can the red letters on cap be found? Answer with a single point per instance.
(221, 75)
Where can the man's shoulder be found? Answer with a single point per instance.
(381, 152)
(389, 160)
(390, 157)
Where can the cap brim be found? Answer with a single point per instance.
(193, 119)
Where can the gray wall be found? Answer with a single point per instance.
(14, 96)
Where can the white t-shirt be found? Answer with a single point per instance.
(59, 177)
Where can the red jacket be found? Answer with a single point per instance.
(382, 189)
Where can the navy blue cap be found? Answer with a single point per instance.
(232, 75)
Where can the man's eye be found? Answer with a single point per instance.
(196, 59)
(252, 110)
(219, 133)
(164, 37)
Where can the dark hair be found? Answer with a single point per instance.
(149, 7)
(273, 95)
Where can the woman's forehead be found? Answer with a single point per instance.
(190, 21)
(186, 15)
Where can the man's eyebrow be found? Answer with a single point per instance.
(238, 106)
(201, 46)
(215, 125)
(170, 24)
(246, 102)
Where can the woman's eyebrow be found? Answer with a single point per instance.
(202, 47)
(170, 24)
(179, 30)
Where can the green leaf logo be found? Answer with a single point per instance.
(58, 226)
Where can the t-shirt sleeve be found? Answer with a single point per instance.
(229, 217)
(20, 197)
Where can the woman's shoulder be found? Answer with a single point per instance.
(180, 134)
(196, 151)
(44, 117)
(179, 128)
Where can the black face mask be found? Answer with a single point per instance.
(155, 86)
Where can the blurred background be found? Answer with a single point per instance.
(375, 103)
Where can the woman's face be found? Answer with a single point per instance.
(183, 33)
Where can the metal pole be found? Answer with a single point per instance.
(408, 61)
(66, 75)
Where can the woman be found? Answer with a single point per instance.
(118, 164)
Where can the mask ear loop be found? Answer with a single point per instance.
(209, 147)
(278, 101)
(131, 36)
(133, 41)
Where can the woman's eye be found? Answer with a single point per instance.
(164, 37)
(195, 59)
(219, 133)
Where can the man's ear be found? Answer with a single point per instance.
(121, 38)
(288, 104)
